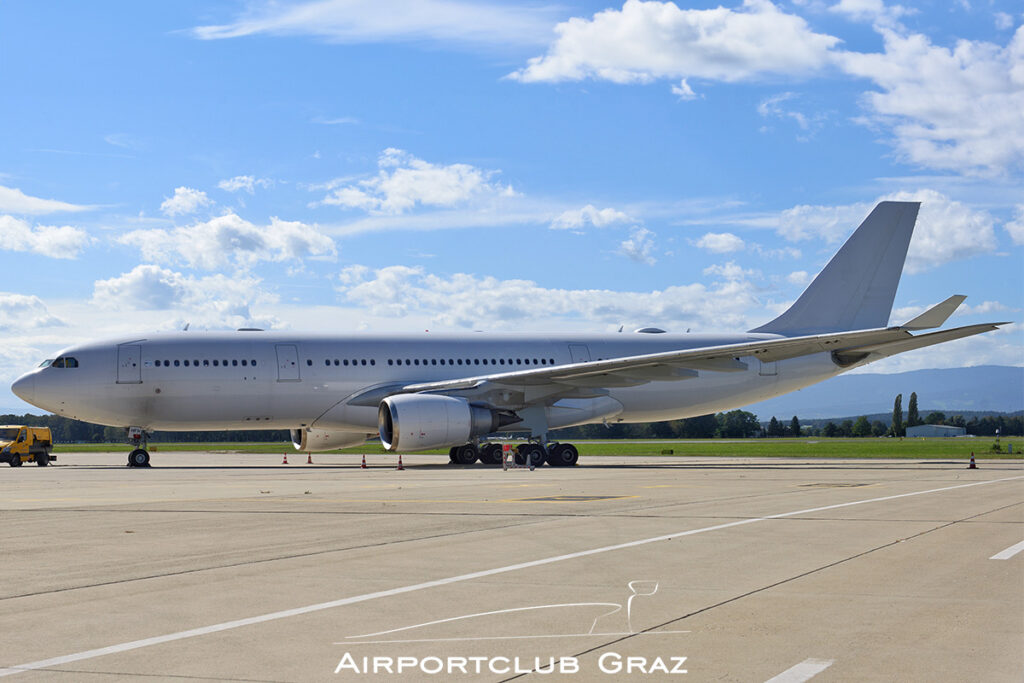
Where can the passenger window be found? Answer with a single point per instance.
(206, 363)
(391, 361)
(177, 363)
(234, 362)
(433, 361)
(244, 362)
(337, 362)
(485, 361)
(216, 363)
(373, 362)
(363, 362)
(345, 362)
(225, 363)
(186, 364)
(416, 361)
(253, 362)
(309, 361)
(476, 361)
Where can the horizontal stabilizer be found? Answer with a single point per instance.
(891, 348)
(936, 315)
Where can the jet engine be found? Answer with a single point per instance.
(326, 440)
(416, 422)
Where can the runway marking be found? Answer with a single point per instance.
(308, 609)
(804, 671)
(565, 499)
(1009, 552)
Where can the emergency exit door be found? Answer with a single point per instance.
(287, 363)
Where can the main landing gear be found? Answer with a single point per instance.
(555, 454)
(139, 457)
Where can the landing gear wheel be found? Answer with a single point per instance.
(42, 459)
(15, 460)
(138, 458)
(532, 454)
(452, 454)
(466, 455)
(490, 454)
(563, 455)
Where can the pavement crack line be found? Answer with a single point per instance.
(460, 578)
(755, 591)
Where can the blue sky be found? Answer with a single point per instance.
(446, 165)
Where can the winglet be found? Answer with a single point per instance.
(856, 289)
(936, 315)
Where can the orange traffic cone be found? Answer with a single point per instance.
(285, 461)
(363, 466)
(399, 463)
(972, 466)
(309, 458)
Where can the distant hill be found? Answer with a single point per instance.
(985, 388)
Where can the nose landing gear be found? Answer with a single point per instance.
(139, 457)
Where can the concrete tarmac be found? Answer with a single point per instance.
(234, 567)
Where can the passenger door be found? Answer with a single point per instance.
(287, 363)
(129, 364)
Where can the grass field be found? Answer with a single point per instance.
(815, 447)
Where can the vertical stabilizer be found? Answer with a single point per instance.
(856, 289)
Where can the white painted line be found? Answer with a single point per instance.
(284, 614)
(1009, 552)
(804, 671)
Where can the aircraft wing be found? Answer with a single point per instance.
(593, 378)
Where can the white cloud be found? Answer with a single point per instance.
(13, 200)
(244, 182)
(956, 109)
(215, 301)
(730, 272)
(798, 277)
(232, 240)
(720, 242)
(1015, 228)
(404, 182)
(64, 242)
(946, 231)
(831, 223)
(1003, 21)
(468, 301)
(575, 219)
(639, 246)
(774, 107)
(25, 312)
(185, 201)
(358, 21)
(870, 10)
(645, 41)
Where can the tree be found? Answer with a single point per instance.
(878, 428)
(738, 424)
(775, 428)
(913, 418)
(897, 416)
(794, 426)
(935, 418)
(861, 427)
(830, 430)
(846, 428)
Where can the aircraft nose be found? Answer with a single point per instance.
(25, 387)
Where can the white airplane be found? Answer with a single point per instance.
(448, 390)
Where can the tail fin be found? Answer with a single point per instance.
(856, 289)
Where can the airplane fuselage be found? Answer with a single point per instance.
(271, 380)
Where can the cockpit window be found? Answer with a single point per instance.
(46, 363)
(59, 363)
(65, 362)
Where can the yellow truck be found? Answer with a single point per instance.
(20, 444)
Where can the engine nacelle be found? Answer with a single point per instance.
(416, 422)
(326, 440)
